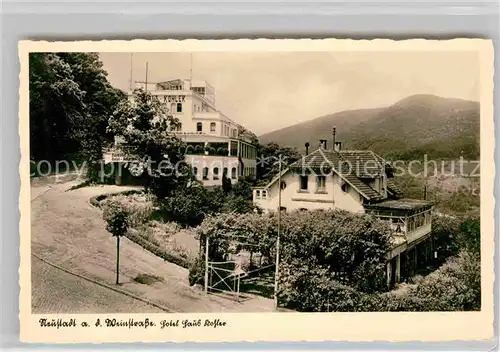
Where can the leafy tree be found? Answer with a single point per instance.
(100, 100)
(117, 224)
(226, 183)
(470, 235)
(71, 101)
(56, 100)
(445, 230)
(147, 130)
(189, 206)
(268, 157)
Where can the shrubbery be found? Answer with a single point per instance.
(456, 286)
(318, 248)
(189, 206)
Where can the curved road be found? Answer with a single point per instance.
(67, 231)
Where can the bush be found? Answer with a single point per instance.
(139, 207)
(197, 272)
(154, 249)
(456, 286)
(445, 230)
(238, 204)
(189, 206)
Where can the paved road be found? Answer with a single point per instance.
(56, 291)
(67, 231)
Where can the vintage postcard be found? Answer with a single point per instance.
(256, 190)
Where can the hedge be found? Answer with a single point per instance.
(96, 200)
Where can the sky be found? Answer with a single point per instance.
(267, 91)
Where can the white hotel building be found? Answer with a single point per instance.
(215, 144)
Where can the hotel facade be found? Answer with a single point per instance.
(215, 144)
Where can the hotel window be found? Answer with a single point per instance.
(212, 126)
(303, 183)
(195, 171)
(320, 184)
(224, 172)
(179, 107)
(257, 194)
(205, 173)
(199, 127)
(233, 173)
(216, 173)
(264, 194)
(172, 107)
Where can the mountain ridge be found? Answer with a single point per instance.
(409, 126)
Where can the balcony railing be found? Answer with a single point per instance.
(418, 233)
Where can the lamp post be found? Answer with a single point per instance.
(276, 275)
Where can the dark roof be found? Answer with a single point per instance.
(365, 163)
(392, 188)
(401, 204)
(325, 160)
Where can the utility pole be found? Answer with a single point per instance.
(334, 133)
(276, 275)
(206, 264)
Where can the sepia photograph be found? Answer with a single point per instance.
(247, 181)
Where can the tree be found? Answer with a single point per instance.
(268, 156)
(56, 100)
(101, 100)
(147, 130)
(226, 183)
(71, 101)
(117, 224)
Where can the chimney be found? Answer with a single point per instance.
(307, 148)
(338, 146)
(334, 134)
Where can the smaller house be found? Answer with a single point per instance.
(358, 181)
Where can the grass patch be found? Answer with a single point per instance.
(147, 279)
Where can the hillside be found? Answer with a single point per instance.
(412, 127)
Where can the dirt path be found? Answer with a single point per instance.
(68, 231)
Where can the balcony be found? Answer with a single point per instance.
(418, 233)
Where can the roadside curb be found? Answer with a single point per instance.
(165, 309)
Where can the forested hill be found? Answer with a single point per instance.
(410, 128)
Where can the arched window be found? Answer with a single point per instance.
(195, 171)
(224, 172)
(212, 126)
(216, 173)
(199, 127)
(233, 173)
(205, 173)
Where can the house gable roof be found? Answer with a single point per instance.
(325, 161)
